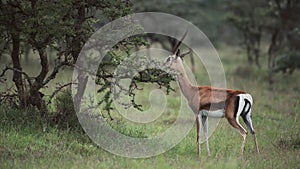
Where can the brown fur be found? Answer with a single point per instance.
(215, 96)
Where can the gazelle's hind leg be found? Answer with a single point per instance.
(234, 123)
(255, 142)
(198, 127)
(248, 122)
(231, 114)
(205, 129)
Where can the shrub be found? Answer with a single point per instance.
(65, 115)
(288, 63)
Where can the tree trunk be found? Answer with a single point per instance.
(76, 46)
(256, 51)
(82, 81)
(271, 58)
(256, 54)
(247, 42)
(35, 94)
(17, 75)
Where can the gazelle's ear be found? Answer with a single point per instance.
(182, 55)
(178, 53)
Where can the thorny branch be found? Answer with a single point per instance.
(137, 70)
(27, 77)
(59, 88)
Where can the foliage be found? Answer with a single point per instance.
(288, 63)
(63, 25)
(250, 22)
(206, 15)
(274, 19)
(65, 115)
(147, 71)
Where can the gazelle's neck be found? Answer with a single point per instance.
(185, 85)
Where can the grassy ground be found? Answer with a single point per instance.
(275, 117)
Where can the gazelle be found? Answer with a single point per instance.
(207, 102)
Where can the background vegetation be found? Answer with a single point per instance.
(258, 43)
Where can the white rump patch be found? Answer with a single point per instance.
(241, 107)
(213, 114)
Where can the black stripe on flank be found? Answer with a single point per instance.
(237, 101)
(244, 111)
(213, 106)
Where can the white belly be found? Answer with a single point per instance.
(213, 114)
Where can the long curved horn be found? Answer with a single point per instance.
(178, 44)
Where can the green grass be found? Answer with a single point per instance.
(23, 144)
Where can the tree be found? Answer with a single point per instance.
(274, 19)
(63, 26)
(204, 14)
(250, 22)
(283, 28)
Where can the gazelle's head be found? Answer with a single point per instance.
(174, 61)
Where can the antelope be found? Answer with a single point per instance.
(206, 101)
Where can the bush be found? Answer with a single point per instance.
(65, 115)
(288, 63)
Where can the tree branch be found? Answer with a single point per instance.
(55, 71)
(17, 70)
(58, 89)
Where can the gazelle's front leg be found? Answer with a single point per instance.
(199, 128)
(205, 125)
